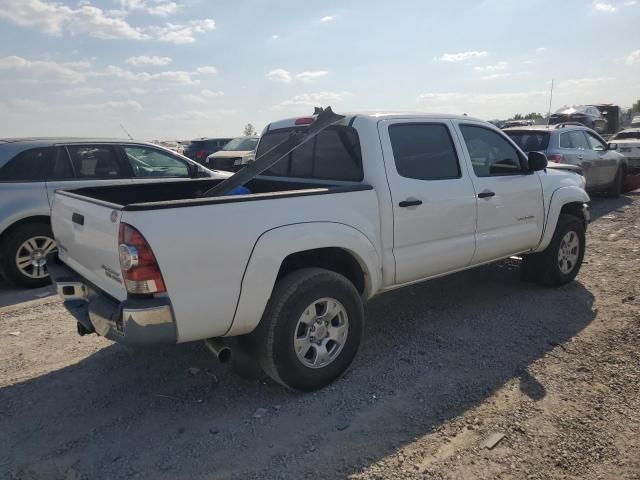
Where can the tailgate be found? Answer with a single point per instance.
(87, 237)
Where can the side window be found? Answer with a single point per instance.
(94, 161)
(565, 140)
(578, 140)
(595, 143)
(28, 166)
(149, 162)
(424, 151)
(491, 154)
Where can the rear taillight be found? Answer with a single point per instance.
(200, 154)
(139, 267)
(555, 158)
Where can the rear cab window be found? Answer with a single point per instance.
(333, 154)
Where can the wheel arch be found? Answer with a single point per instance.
(564, 200)
(333, 246)
(34, 219)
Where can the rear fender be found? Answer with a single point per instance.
(559, 198)
(275, 245)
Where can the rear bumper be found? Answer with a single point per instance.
(135, 321)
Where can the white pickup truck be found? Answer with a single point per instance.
(372, 203)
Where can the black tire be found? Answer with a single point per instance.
(9, 249)
(544, 267)
(618, 184)
(273, 340)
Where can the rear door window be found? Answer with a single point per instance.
(424, 151)
(95, 161)
(334, 154)
(31, 165)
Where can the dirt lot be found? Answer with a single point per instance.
(444, 366)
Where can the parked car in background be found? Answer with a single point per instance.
(32, 169)
(613, 116)
(635, 121)
(604, 168)
(629, 145)
(201, 148)
(586, 115)
(235, 154)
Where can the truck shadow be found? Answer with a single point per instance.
(430, 352)
(602, 205)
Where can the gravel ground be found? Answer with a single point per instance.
(445, 367)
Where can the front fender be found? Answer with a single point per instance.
(275, 245)
(559, 198)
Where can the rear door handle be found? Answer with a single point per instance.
(486, 194)
(410, 203)
(77, 218)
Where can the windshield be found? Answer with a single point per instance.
(627, 136)
(530, 141)
(241, 144)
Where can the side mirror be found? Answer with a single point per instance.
(612, 146)
(537, 161)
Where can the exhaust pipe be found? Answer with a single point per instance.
(219, 349)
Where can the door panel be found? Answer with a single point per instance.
(510, 207)
(604, 159)
(434, 204)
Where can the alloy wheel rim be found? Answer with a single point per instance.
(31, 256)
(568, 252)
(321, 333)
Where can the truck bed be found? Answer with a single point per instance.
(187, 193)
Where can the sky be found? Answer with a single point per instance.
(180, 69)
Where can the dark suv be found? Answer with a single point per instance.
(586, 115)
(201, 148)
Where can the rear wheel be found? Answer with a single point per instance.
(311, 329)
(24, 254)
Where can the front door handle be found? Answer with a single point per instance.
(486, 194)
(410, 203)
(77, 218)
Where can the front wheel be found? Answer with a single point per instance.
(311, 329)
(24, 254)
(560, 262)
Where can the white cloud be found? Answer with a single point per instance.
(181, 33)
(317, 99)
(603, 6)
(160, 8)
(177, 77)
(492, 68)
(163, 9)
(58, 19)
(461, 56)
(203, 97)
(210, 94)
(130, 105)
(279, 75)
(197, 115)
(630, 3)
(275, 37)
(584, 84)
(55, 18)
(46, 70)
(152, 60)
(495, 76)
(82, 92)
(207, 70)
(309, 76)
(633, 57)
(541, 49)
(328, 18)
